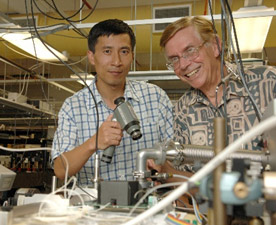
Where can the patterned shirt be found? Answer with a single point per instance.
(194, 114)
(77, 123)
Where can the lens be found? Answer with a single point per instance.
(135, 135)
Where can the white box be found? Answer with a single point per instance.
(7, 178)
(14, 96)
(44, 106)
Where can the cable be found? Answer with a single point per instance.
(181, 176)
(221, 52)
(149, 191)
(28, 25)
(87, 4)
(56, 18)
(25, 149)
(72, 21)
(60, 207)
(85, 192)
(171, 219)
(208, 168)
(69, 21)
(101, 208)
(23, 86)
(70, 68)
(69, 17)
(222, 64)
(108, 218)
(205, 8)
(196, 211)
(240, 68)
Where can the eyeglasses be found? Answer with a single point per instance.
(189, 54)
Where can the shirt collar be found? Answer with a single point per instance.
(129, 92)
(234, 88)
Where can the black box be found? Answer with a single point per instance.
(118, 192)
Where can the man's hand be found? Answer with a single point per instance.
(152, 166)
(110, 133)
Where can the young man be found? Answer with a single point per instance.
(111, 44)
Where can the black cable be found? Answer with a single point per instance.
(61, 16)
(56, 18)
(235, 35)
(69, 21)
(222, 72)
(42, 115)
(86, 192)
(213, 22)
(84, 18)
(256, 108)
(218, 46)
(45, 14)
(49, 4)
(27, 13)
(221, 52)
(28, 25)
(70, 68)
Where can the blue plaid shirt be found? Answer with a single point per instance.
(77, 123)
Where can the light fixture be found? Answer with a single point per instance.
(33, 46)
(88, 78)
(252, 31)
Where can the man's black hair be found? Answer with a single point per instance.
(107, 28)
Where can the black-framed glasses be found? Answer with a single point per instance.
(190, 54)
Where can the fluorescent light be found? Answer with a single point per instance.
(33, 46)
(252, 32)
(88, 78)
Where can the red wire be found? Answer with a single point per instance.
(205, 7)
(87, 4)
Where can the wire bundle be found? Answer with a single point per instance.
(175, 220)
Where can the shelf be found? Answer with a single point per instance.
(16, 114)
(27, 123)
